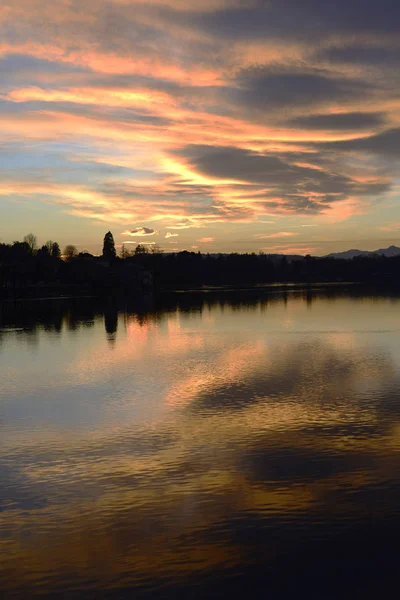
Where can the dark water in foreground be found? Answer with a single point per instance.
(206, 449)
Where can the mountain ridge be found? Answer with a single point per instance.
(353, 253)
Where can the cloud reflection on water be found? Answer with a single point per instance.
(221, 441)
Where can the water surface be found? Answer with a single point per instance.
(208, 446)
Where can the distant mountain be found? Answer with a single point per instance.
(391, 251)
(348, 254)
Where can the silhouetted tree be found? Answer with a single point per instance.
(31, 240)
(156, 249)
(43, 251)
(141, 249)
(70, 252)
(109, 246)
(124, 253)
(20, 250)
(55, 251)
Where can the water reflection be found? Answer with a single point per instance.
(57, 314)
(201, 449)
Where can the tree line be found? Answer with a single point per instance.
(24, 264)
(29, 247)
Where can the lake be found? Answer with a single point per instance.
(203, 445)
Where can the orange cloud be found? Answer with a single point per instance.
(103, 97)
(205, 240)
(279, 234)
(150, 99)
(141, 243)
(184, 224)
(303, 250)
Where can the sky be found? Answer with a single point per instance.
(205, 125)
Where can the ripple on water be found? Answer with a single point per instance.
(202, 454)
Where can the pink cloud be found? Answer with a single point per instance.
(262, 236)
(184, 224)
(141, 243)
(87, 105)
(288, 250)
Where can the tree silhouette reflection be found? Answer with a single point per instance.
(111, 322)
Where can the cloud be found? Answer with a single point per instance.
(381, 54)
(141, 243)
(309, 20)
(339, 121)
(263, 109)
(261, 88)
(262, 236)
(386, 143)
(170, 235)
(274, 183)
(184, 224)
(205, 240)
(302, 250)
(140, 231)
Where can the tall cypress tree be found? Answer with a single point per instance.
(109, 246)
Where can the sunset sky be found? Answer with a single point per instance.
(212, 125)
